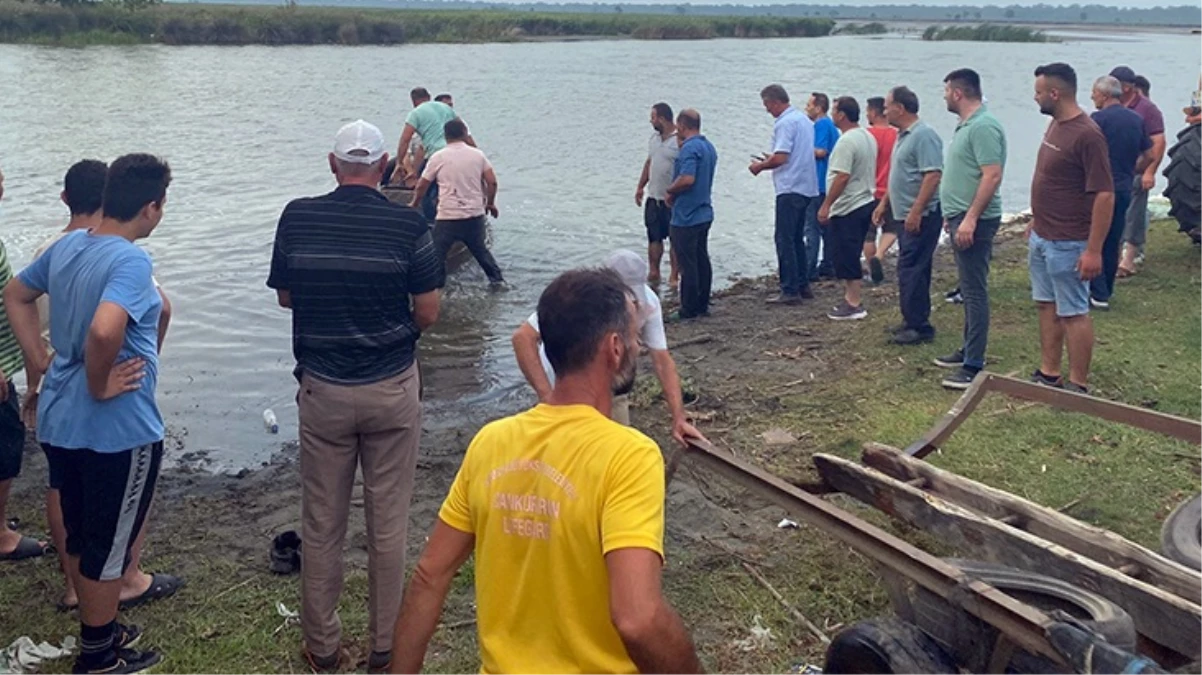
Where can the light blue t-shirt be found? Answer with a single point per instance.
(81, 271)
(918, 151)
(826, 134)
(793, 133)
(429, 120)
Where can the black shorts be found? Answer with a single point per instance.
(105, 497)
(657, 216)
(12, 434)
(847, 241)
(892, 225)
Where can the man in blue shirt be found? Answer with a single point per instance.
(795, 178)
(1130, 153)
(97, 417)
(825, 136)
(689, 195)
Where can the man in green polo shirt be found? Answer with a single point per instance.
(427, 120)
(972, 211)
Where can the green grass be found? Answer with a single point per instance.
(181, 24)
(989, 32)
(1125, 479)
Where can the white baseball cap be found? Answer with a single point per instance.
(359, 142)
(630, 266)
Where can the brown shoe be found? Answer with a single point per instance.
(323, 664)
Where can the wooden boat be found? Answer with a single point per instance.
(458, 253)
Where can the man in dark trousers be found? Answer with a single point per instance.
(690, 196)
(913, 195)
(1131, 151)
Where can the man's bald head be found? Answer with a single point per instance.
(690, 119)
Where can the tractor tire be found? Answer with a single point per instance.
(971, 641)
(1184, 173)
(1181, 536)
(886, 646)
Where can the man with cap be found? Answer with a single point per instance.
(468, 188)
(1137, 224)
(532, 357)
(358, 401)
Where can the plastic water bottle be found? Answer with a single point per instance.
(270, 422)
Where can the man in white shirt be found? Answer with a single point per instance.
(527, 346)
(662, 149)
(467, 189)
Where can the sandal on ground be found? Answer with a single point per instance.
(62, 606)
(161, 586)
(1124, 273)
(27, 548)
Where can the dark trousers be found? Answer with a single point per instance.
(470, 231)
(790, 242)
(972, 264)
(429, 205)
(917, 251)
(813, 237)
(1102, 286)
(696, 276)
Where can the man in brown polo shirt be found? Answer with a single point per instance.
(1072, 200)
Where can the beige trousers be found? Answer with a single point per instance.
(376, 426)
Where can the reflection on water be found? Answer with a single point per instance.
(246, 129)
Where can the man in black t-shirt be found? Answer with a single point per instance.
(348, 264)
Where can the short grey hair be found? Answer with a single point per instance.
(1109, 86)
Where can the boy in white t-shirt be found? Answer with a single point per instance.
(527, 346)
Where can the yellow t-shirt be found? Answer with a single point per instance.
(547, 494)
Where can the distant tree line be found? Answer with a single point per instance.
(1182, 15)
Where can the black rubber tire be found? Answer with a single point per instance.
(1181, 535)
(886, 646)
(971, 641)
(1184, 173)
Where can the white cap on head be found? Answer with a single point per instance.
(630, 266)
(359, 142)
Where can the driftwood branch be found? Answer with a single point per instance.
(809, 625)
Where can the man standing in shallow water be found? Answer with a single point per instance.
(662, 150)
(564, 511)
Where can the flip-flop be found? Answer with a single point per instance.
(1124, 273)
(62, 607)
(27, 548)
(161, 586)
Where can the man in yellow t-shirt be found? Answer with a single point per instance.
(564, 509)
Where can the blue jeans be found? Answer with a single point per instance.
(1054, 275)
(813, 237)
(1102, 286)
(917, 253)
(790, 238)
(973, 265)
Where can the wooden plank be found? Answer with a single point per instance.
(1026, 626)
(1181, 428)
(1099, 544)
(951, 421)
(1158, 615)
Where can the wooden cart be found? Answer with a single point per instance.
(1161, 596)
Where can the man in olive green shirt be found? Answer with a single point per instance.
(972, 211)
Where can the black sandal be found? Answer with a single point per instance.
(161, 586)
(27, 548)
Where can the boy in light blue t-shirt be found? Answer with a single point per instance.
(97, 417)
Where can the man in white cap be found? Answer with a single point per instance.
(358, 402)
(532, 359)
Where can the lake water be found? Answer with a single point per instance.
(247, 128)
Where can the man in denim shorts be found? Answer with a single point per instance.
(1072, 200)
